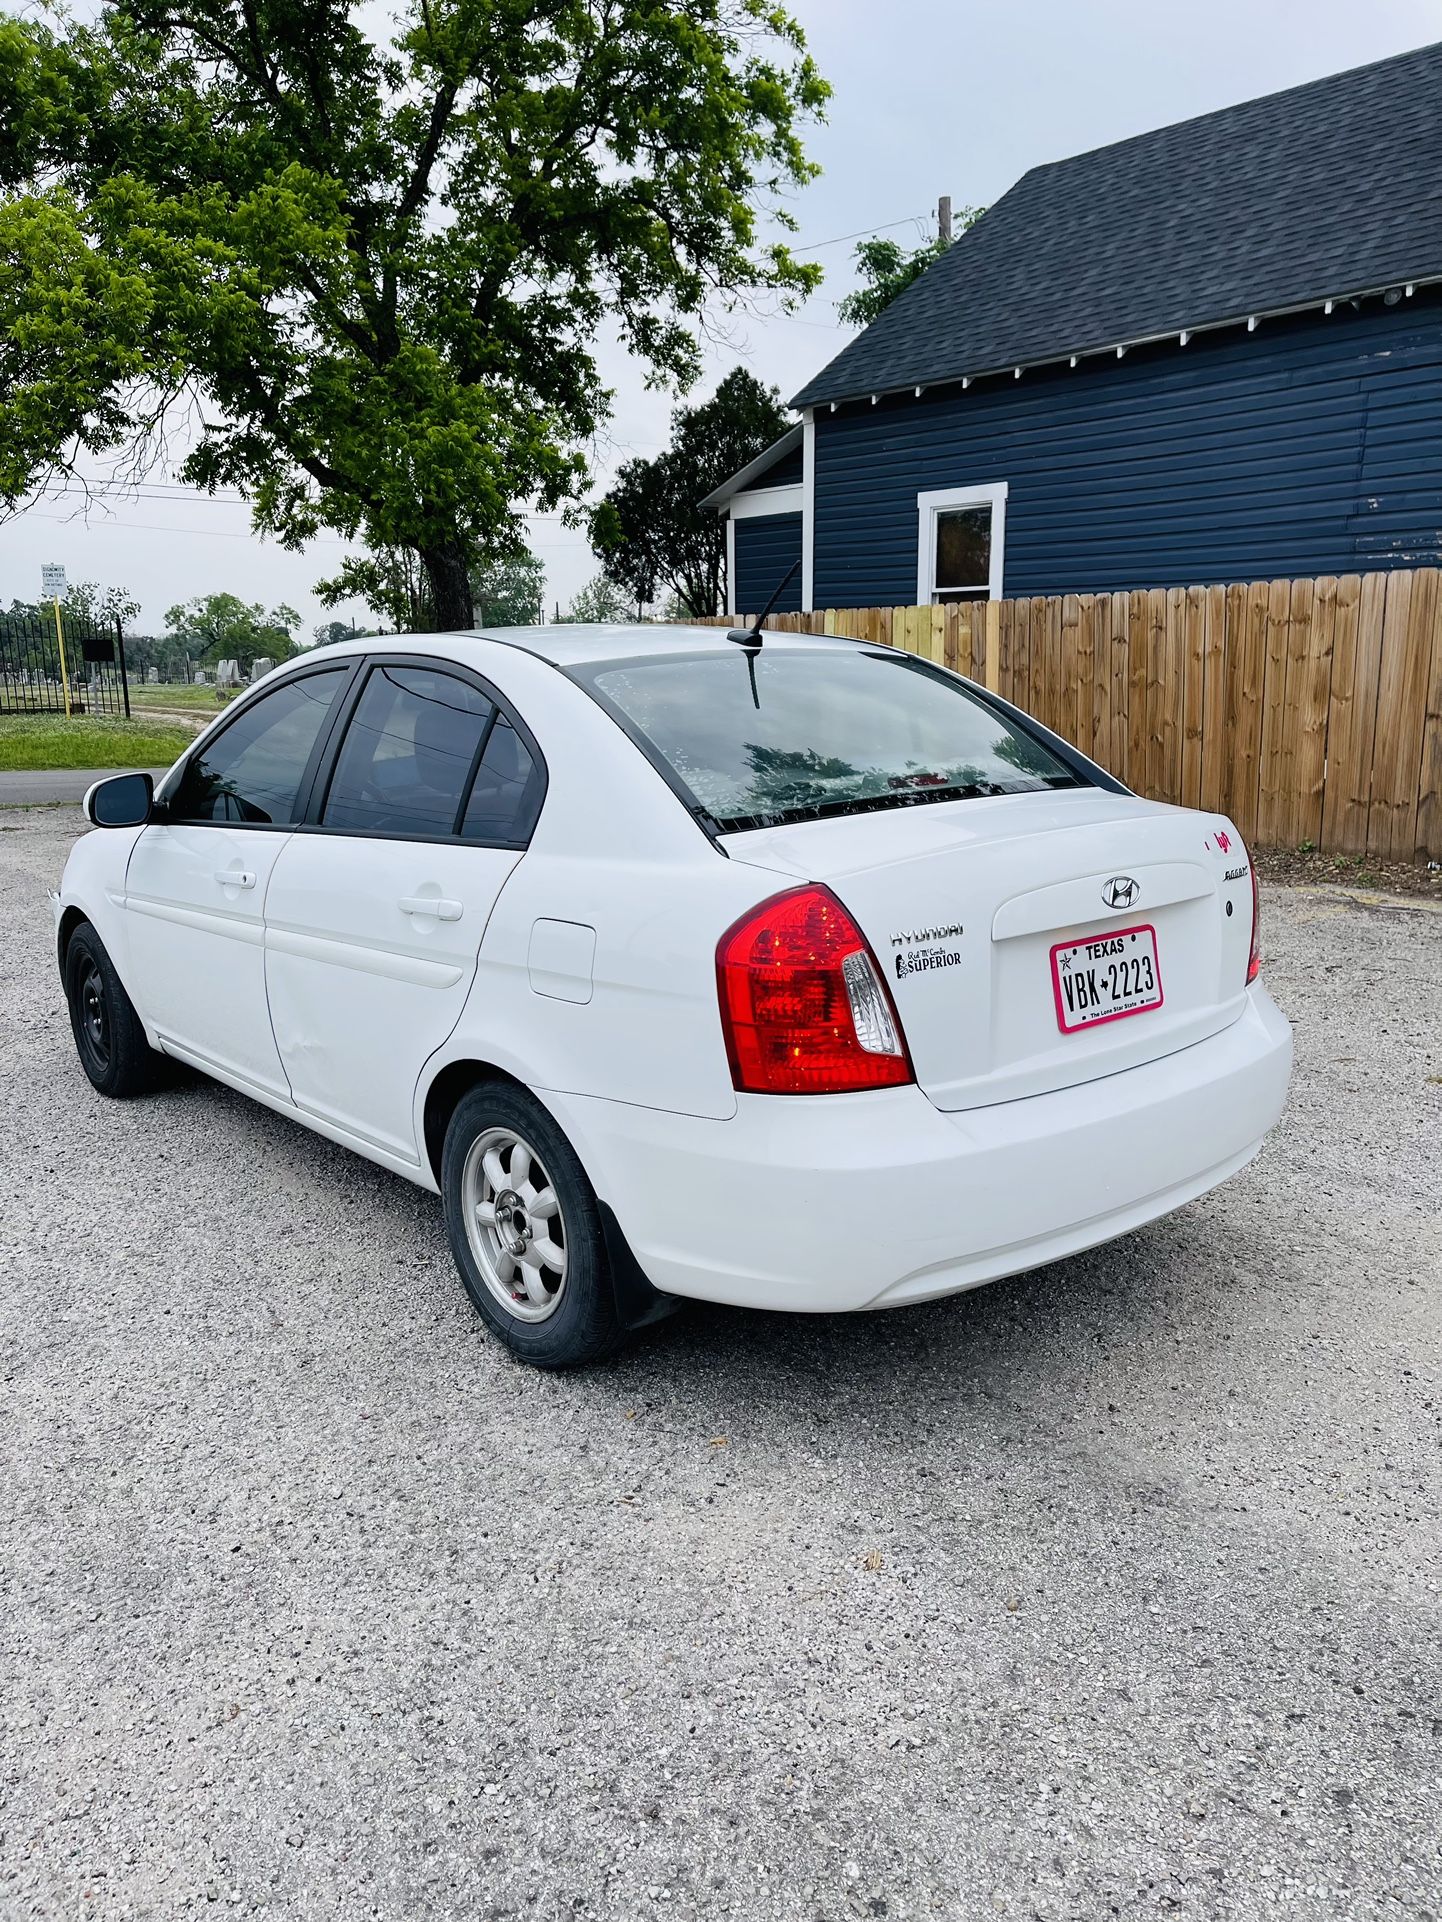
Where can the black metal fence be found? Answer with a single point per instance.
(64, 665)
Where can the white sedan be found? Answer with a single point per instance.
(790, 972)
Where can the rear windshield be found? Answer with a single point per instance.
(756, 739)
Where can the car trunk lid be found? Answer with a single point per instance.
(972, 906)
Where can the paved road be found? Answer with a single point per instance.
(40, 787)
(1109, 1591)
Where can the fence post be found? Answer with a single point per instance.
(124, 678)
(993, 647)
(64, 673)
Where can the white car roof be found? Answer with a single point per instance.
(568, 645)
(582, 643)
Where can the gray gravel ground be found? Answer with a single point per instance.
(1109, 1591)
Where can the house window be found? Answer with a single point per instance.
(961, 537)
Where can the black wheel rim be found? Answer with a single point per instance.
(93, 1012)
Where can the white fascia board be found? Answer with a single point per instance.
(721, 496)
(767, 500)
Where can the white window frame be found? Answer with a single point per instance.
(936, 500)
(752, 505)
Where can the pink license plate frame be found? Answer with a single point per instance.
(1112, 1014)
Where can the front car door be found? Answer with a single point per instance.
(376, 908)
(196, 882)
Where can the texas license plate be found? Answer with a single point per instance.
(1105, 978)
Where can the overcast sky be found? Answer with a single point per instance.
(930, 97)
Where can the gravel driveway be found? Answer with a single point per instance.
(1109, 1591)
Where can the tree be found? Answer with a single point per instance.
(392, 583)
(221, 627)
(377, 266)
(510, 591)
(650, 531)
(888, 270)
(329, 632)
(600, 600)
(103, 606)
(506, 591)
(85, 601)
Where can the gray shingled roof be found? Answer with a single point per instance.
(1327, 189)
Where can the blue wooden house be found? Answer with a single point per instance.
(1210, 353)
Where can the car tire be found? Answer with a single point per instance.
(109, 1038)
(525, 1230)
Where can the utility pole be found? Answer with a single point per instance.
(943, 219)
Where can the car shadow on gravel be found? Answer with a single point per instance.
(1144, 1292)
(1140, 1295)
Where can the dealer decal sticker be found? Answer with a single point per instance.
(919, 960)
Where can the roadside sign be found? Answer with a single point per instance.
(52, 582)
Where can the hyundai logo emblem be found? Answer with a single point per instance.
(1120, 891)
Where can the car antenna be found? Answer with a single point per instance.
(752, 636)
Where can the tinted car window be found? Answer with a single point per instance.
(792, 734)
(252, 771)
(503, 799)
(406, 760)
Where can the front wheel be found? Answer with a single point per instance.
(525, 1230)
(108, 1035)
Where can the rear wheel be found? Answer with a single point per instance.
(108, 1035)
(525, 1230)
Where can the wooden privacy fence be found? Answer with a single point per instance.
(1310, 711)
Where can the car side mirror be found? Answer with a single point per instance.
(124, 801)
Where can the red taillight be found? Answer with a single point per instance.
(803, 1004)
(1254, 959)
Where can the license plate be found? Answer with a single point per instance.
(1105, 978)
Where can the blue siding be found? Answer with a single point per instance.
(1312, 446)
(766, 545)
(785, 473)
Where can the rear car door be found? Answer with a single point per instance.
(196, 881)
(376, 909)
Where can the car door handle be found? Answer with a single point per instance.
(235, 877)
(431, 904)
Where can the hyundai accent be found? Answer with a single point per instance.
(791, 972)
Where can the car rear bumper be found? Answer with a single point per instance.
(872, 1200)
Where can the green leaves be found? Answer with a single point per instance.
(61, 376)
(218, 627)
(380, 264)
(888, 270)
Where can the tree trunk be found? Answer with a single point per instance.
(450, 582)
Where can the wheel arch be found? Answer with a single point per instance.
(71, 918)
(638, 1301)
(444, 1095)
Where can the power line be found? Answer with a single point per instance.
(229, 534)
(149, 527)
(863, 233)
(178, 495)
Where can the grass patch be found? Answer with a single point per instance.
(50, 741)
(174, 694)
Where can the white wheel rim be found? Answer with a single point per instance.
(514, 1224)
